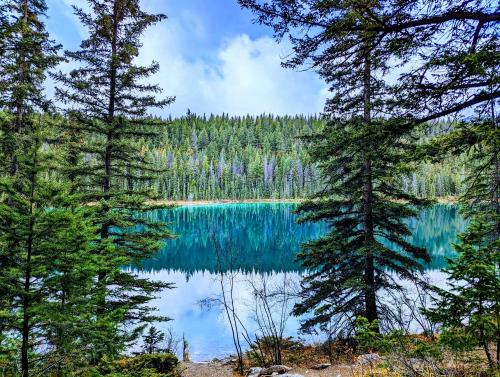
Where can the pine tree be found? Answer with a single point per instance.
(33, 212)
(47, 268)
(153, 340)
(360, 156)
(470, 309)
(109, 100)
(26, 55)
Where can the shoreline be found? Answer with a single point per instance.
(194, 203)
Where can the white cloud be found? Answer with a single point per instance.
(239, 76)
(244, 76)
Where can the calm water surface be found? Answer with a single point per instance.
(252, 241)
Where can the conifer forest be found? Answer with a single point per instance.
(348, 227)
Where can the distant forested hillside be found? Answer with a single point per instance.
(221, 157)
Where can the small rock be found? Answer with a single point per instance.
(254, 372)
(368, 358)
(280, 369)
(291, 375)
(321, 366)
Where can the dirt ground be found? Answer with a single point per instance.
(206, 370)
(223, 370)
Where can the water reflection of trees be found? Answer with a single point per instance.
(268, 237)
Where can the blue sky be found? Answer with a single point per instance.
(212, 58)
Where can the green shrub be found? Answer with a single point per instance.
(164, 364)
(146, 365)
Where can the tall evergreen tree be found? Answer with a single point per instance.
(448, 50)
(26, 55)
(32, 211)
(48, 271)
(109, 98)
(359, 155)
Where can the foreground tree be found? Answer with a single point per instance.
(366, 250)
(359, 155)
(26, 55)
(446, 52)
(41, 233)
(470, 309)
(48, 269)
(108, 100)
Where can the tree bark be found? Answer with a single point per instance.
(369, 273)
(106, 185)
(28, 271)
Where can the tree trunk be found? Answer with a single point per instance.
(369, 273)
(28, 271)
(101, 277)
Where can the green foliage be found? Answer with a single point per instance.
(152, 340)
(368, 336)
(234, 158)
(147, 365)
(26, 55)
(47, 269)
(109, 107)
(65, 299)
(410, 346)
(470, 310)
(336, 287)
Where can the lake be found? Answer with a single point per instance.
(252, 243)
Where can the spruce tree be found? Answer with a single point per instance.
(26, 55)
(35, 210)
(109, 100)
(470, 309)
(153, 341)
(360, 155)
(48, 269)
(446, 52)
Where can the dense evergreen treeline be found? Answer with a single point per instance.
(223, 157)
(236, 158)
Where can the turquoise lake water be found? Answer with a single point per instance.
(252, 242)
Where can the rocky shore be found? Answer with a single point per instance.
(226, 368)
